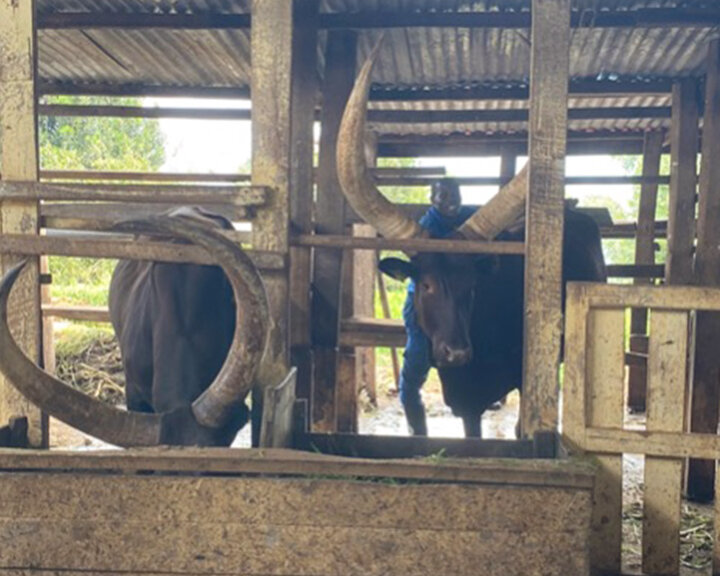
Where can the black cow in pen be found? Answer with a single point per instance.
(190, 354)
(470, 307)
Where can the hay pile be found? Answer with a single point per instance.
(88, 359)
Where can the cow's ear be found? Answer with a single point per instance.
(397, 268)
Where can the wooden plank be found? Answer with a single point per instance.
(85, 313)
(387, 316)
(340, 57)
(307, 502)
(143, 176)
(272, 44)
(304, 96)
(665, 297)
(289, 463)
(667, 367)
(18, 134)
(143, 193)
(378, 446)
(109, 111)
(378, 19)
(644, 255)
(265, 550)
(364, 274)
(683, 179)
(661, 444)
(279, 402)
(576, 366)
(604, 389)
(550, 40)
(337, 241)
(100, 215)
(95, 247)
(705, 396)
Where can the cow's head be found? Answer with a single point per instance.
(444, 296)
(444, 283)
(206, 419)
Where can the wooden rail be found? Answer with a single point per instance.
(593, 420)
(140, 193)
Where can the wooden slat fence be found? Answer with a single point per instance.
(593, 413)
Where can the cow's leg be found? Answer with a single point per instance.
(473, 425)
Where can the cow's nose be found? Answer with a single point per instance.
(456, 356)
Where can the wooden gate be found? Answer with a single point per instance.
(593, 412)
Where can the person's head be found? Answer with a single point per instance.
(445, 197)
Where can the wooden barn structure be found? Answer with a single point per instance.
(510, 78)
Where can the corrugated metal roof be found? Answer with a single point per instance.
(410, 58)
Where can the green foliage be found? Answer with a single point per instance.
(403, 194)
(72, 143)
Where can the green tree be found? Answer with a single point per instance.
(76, 143)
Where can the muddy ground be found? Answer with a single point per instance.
(97, 371)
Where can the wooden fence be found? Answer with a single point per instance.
(593, 415)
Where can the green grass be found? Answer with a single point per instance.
(80, 281)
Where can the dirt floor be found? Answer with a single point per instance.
(97, 371)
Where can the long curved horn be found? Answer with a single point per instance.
(356, 182)
(213, 407)
(501, 211)
(56, 398)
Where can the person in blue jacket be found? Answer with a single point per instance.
(444, 216)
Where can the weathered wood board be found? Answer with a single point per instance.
(372, 519)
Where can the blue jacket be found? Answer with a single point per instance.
(439, 226)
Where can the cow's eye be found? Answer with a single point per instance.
(426, 287)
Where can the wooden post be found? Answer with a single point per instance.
(683, 179)
(705, 396)
(271, 42)
(543, 261)
(508, 166)
(340, 56)
(304, 96)
(20, 163)
(644, 254)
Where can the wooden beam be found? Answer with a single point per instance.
(167, 177)
(374, 116)
(640, 18)
(579, 87)
(383, 180)
(141, 193)
(18, 134)
(96, 246)
(549, 66)
(340, 58)
(421, 244)
(510, 116)
(272, 45)
(683, 180)
(108, 111)
(304, 96)
(644, 255)
(483, 145)
(606, 372)
(667, 377)
(705, 395)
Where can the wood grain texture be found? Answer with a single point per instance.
(270, 526)
(606, 371)
(667, 367)
(279, 403)
(327, 287)
(284, 463)
(549, 65)
(644, 255)
(19, 146)
(683, 183)
(271, 40)
(705, 399)
(304, 97)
